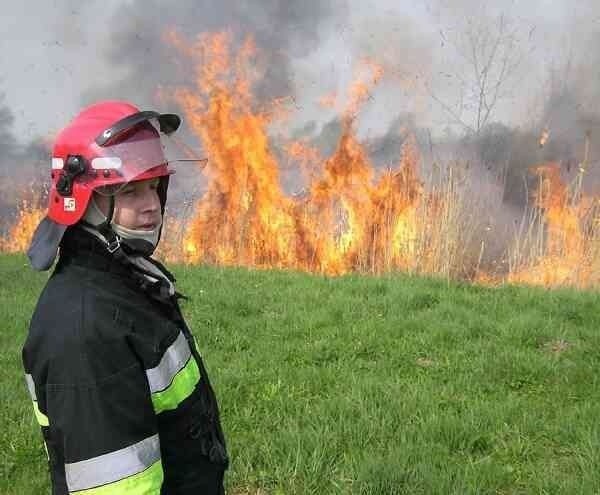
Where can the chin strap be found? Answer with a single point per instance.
(108, 236)
(112, 240)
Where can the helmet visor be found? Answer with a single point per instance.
(140, 152)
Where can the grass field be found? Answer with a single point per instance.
(366, 385)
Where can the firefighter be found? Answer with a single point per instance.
(118, 386)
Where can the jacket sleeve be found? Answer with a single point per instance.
(94, 405)
(107, 434)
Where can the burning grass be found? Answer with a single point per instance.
(352, 217)
(355, 384)
(558, 244)
(18, 237)
(431, 219)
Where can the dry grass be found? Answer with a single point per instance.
(446, 225)
(557, 347)
(557, 241)
(19, 235)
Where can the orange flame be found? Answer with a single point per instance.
(20, 233)
(568, 254)
(245, 217)
(328, 100)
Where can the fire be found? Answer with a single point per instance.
(346, 214)
(544, 137)
(328, 100)
(348, 218)
(242, 203)
(20, 233)
(566, 252)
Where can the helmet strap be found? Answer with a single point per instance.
(113, 241)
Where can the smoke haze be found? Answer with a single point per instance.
(70, 54)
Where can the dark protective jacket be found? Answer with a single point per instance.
(118, 386)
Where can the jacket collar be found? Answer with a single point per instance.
(82, 248)
(79, 247)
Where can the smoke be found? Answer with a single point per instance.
(115, 50)
(283, 30)
(21, 168)
(8, 153)
(8, 143)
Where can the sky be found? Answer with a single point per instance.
(59, 55)
(51, 51)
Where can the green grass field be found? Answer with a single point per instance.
(366, 385)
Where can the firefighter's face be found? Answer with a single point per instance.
(137, 205)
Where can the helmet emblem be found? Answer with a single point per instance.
(69, 204)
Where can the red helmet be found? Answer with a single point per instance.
(107, 145)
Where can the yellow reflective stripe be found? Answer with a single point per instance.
(42, 419)
(181, 387)
(147, 482)
(113, 466)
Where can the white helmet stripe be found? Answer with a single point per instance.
(107, 162)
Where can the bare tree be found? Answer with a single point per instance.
(489, 57)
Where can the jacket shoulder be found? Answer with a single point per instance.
(78, 332)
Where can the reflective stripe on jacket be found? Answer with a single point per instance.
(118, 386)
